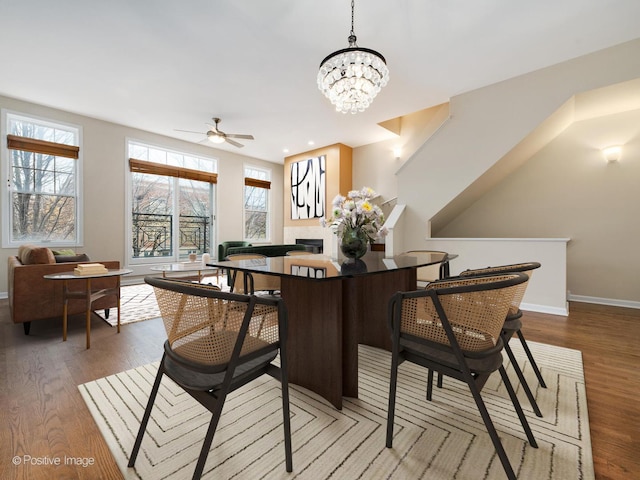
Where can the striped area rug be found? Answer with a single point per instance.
(137, 303)
(442, 439)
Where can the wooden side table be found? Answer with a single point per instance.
(87, 295)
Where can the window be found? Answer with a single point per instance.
(171, 204)
(256, 204)
(43, 175)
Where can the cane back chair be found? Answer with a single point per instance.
(513, 324)
(249, 283)
(218, 342)
(453, 327)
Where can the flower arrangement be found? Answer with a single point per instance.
(356, 212)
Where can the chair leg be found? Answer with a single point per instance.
(392, 399)
(286, 416)
(491, 429)
(518, 408)
(523, 381)
(531, 359)
(430, 384)
(147, 415)
(208, 439)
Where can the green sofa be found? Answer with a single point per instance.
(222, 248)
(266, 250)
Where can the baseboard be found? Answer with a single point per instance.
(4, 295)
(531, 307)
(613, 302)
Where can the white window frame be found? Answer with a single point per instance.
(141, 262)
(5, 177)
(267, 172)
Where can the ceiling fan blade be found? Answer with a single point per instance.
(188, 131)
(233, 142)
(238, 135)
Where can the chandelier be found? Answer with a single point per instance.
(352, 77)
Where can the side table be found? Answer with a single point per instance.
(187, 267)
(87, 294)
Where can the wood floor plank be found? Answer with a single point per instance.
(43, 414)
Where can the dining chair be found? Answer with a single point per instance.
(216, 343)
(454, 327)
(429, 273)
(513, 324)
(246, 282)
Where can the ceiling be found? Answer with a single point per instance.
(161, 65)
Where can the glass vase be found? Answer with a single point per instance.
(354, 243)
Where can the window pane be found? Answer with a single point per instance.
(195, 214)
(43, 217)
(152, 215)
(255, 225)
(66, 165)
(64, 184)
(138, 151)
(255, 198)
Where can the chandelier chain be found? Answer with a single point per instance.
(352, 7)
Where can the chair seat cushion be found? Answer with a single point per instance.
(193, 380)
(477, 364)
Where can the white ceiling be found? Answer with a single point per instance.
(161, 65)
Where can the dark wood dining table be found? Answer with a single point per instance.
(333, 305)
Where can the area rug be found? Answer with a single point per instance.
(442, 439)
(137, 303)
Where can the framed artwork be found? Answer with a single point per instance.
(308, 179)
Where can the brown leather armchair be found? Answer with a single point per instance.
(31, 297)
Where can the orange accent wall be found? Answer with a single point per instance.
(338, 179)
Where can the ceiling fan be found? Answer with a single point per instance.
(215, 135)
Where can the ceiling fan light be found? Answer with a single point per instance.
(214, 138)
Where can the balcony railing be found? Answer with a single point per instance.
(153, 235)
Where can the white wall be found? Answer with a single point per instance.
(487, 123)
(485, 126)
(547, 289)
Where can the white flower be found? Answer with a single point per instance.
(356, 211)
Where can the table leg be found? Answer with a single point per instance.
(65, 300)
(88, 313)
(118, 302)
(314, 344)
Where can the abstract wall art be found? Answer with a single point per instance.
(308, 179)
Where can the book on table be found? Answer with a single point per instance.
(90, 269)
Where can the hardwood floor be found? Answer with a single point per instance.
(44, 416)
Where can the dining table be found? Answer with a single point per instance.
(333, 305)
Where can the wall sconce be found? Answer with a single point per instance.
(612, 154)
(397, 152)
